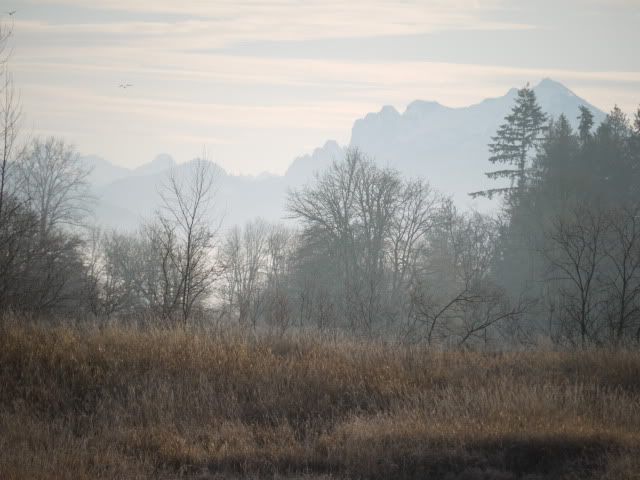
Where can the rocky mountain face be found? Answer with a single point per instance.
(447, 146)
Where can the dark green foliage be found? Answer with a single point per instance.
(577, 177)
(586, 123)
(513, 143)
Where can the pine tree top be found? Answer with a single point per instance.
(521, 132)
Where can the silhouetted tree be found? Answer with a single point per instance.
(365, 223)
(9, 121)
(586, 123)
(244, 259)
(513, 143)
(620, 276)
(186, 234)
(575, 252)
(14, 219)
(454, 298)
(53, 181)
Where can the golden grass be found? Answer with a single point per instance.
(125, 403)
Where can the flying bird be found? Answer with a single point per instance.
(125, 85)
(11, 12)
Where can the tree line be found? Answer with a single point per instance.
(571, 233)
(373, 253)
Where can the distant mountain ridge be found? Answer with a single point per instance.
(104, 172)
(445, 145)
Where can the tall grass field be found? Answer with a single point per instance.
(127, 403)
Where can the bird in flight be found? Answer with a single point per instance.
(125, 85)
(12, 12)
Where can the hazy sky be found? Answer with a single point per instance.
(258, 83)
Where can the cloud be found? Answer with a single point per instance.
(189, 91)
(220, 23)
(198, 68)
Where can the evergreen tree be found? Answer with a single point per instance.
(618, 123)
(586, 123)
(513, 143)
(610, 161)
(558, 175)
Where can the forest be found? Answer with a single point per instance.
(372, 253)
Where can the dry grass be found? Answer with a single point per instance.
(124, 403)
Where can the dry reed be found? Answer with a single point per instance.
(120, 402)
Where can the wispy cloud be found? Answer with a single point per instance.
(226, 21)
(258, 109)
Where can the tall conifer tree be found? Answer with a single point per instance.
(586, 123)
(513, 144)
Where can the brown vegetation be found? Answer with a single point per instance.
(124, 403)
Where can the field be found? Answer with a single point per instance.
(117, 402)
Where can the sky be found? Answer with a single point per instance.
(258, 83)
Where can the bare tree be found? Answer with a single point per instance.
(134, 273)
(316, 285)
(327, 212)
(453, 298)
(620, 275)
(14, 221)
(39, 270)
(415, 216)
(575, 252)
(244, 258)
(366, 222)
(122, 277)
(10, 114)
(256, 261)
(163, 277)
(17, 229)
(53, 181)
(188, 233)
(377, 205)
(278, 305)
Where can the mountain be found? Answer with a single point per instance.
(302, 168)
(446, 146)
(103, 172)
(127, 201)
(159, 164)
